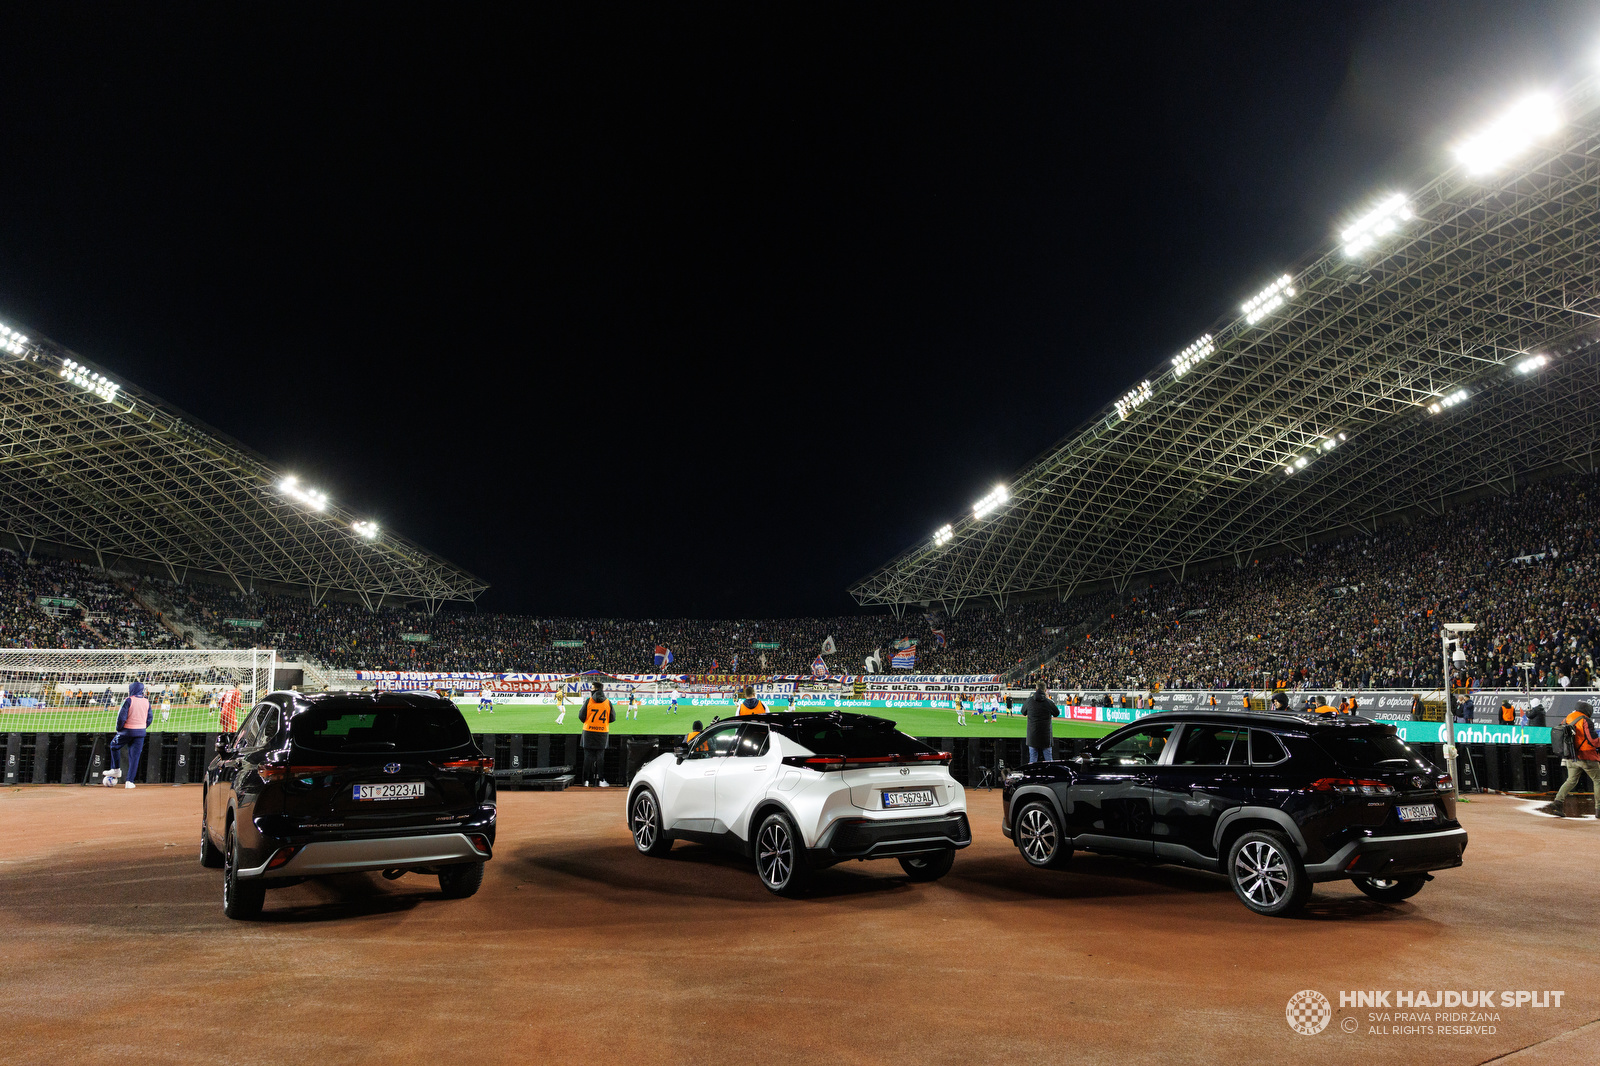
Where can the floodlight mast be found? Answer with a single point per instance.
(1450, 634)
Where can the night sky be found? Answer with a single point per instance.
(697, 310)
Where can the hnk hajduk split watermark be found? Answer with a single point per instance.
(1444, 1012)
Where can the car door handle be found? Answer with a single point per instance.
(756, 768)
(711, 773)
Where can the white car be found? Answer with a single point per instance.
(797, 792)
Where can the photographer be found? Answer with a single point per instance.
(1580, 751)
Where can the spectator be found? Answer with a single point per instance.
(1041, 712)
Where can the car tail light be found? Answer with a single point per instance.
(857, 762)
(1351, 786)
(271, 774)
(1446, 783)
(281, 856)
(480, 843)
(821, 763)
(484, 765)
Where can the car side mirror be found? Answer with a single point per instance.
(681, 751)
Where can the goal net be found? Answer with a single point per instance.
(81, 690)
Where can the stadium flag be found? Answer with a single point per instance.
(874, 662)
(818, 667)
(663, 655)
(828, 646)
(938, 637)
(905, 659)
(903, 643)
(736, 662)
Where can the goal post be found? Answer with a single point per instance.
(47, 690)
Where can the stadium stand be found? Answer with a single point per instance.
(1362, 612)
(346, 635)
(94, 610)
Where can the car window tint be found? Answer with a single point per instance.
(1265, 748)
(1140, 746)
(269, 724)
(250, 731)
(753, 741)
(718, 740)
(1208, 745)
(1366, 750)
(366, 725)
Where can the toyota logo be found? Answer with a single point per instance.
(391, 768)
(905, 770)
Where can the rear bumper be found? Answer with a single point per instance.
(324, 857)
(1393, 856)
(859, 838)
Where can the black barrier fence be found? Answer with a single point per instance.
(977, 762)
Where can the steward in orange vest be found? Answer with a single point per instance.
(1508, 713)
(597, 718)
(751, 705)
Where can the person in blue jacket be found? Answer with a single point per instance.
(132, 721)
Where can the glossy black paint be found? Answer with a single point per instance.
(1108, 800)
(306, 807)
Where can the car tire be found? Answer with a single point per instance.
(210, 856)
(1391, 890)
(1266, 873)
(242, 898)
(781, 855)
(1039, 836)
(929, 866)
(459, 882)
(645, 822)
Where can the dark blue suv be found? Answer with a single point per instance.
(1273, 801)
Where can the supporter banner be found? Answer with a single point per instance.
(566, 643)
(57, 601)
(763, 645)
(244, 623)
(418, 638)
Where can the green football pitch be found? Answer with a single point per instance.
(659, 721)
(541, 718)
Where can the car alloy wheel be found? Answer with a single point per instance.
(775, 853)
(645, 829)
(1262, 873)
(1036, 835)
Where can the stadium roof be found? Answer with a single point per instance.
(1397, 367)
(96, 464)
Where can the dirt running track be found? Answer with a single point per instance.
(113, 947)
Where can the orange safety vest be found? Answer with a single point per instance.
(1324, 709)
(597, 716)
(1508, 714)
(752, 706)
(1583, 736)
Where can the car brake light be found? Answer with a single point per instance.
(1446, 783)
(483, 765)
(821, 763)
(281, 856)
(1351, 786)
(480, 843)
(856, 762)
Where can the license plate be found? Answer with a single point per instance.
(394, 790)
(1422, 812)
(908, 797)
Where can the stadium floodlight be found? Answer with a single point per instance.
(87, 379)
(11, 341)
(290, 486)
(369, 530)
(943, 535)
(1529, 365)
(1192, 355)
(1300, 463)
(994, 499)
(1379, 222)
(1509, 135)
(1448, 401)
(1268, 300)
(1135, 398)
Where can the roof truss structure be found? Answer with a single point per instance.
(1487, 271)
(121, 473)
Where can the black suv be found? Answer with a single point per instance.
(343, 782)
(1275, 801)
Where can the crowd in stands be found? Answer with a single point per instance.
(1361, 612)
(1364, 612)
(58, 603)
(348, 636)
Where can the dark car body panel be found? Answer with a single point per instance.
(308, 807)
(1168, 811)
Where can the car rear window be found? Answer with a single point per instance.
(1366, 750)
(367, 726)
(857, 741)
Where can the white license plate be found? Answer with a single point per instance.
(908, 797)
(396, 790)
(1421, 812)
